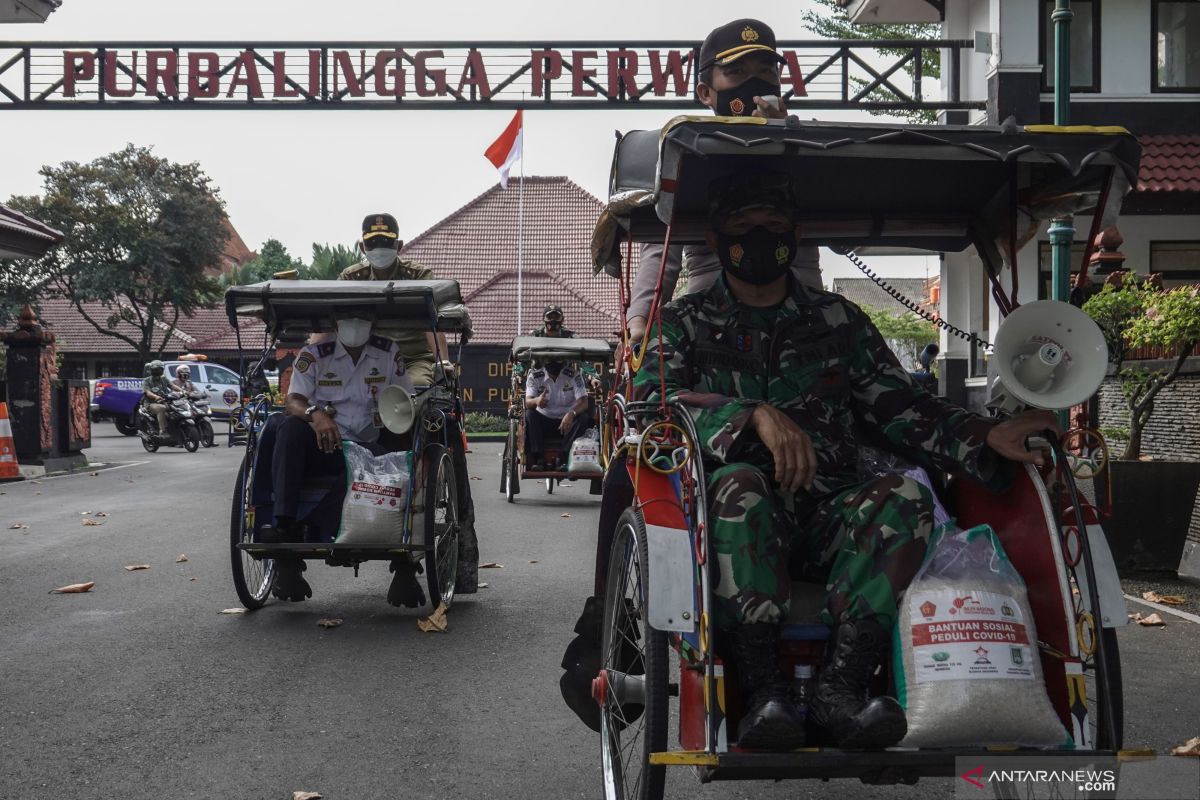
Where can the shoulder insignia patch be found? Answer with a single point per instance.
(326, 348)
(304, 361)
(568, 372)
(381, 343)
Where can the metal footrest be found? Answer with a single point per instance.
(330, 551)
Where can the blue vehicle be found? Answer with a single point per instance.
(117, 398)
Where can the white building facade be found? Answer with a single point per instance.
(1134, 63)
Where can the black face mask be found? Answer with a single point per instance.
(157, 373)
(757, 256)
(739, 101)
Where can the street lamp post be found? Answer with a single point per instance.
(1062, 229)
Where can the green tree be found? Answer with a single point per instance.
(831, 22)
(328, 261)
(1133, 313)
(140, 233)
(907, 334)
(272, 257)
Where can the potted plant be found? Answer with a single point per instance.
(1152, 499)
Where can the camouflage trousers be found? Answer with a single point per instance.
(864, 542)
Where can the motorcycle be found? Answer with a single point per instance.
(202, 413)
(181, 425)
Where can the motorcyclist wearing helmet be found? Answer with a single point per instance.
(183, 381)
(155, 388)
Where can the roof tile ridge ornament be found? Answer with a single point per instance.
(29, 331)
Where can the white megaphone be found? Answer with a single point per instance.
(1049, 355)
(396, 409)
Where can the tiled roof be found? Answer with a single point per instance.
(477, 246)
(77, 336)
(22, 236)
(864, 292)
(1169, 164)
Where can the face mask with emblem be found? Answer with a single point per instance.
(758, 256)
(353, 332)
(739, 101)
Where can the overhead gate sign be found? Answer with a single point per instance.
(818, 74)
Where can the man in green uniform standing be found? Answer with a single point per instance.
(421, 350)
(783, 381)
(381, 262)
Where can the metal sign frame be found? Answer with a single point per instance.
(819, 74)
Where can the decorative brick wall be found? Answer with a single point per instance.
(1174, 430)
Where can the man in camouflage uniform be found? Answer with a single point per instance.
(781, 378)
(381, 262)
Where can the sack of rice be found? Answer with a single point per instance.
(584, 459)
(376, 489)
(968, 669)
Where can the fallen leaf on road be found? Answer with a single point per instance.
(491, 565)
(136, 567)
(17, 526)
(93, 474)
(482, 584)
(565, 516)
(90, 521)
(475, 477)
(1165, 599)
(1189, 748)
(83, 513)
(329, 623)
(191, 579)
(101, 513)
(435, 622)
(1151, 620)
(534, 561)
(74, 588)
(232, 611)
(182, 558)
(306, 796)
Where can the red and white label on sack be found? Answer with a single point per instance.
(968, 635)
(376, 495)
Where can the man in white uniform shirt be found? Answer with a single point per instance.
(333, 396)
(556, 400)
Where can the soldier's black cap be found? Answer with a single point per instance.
(752, 189)
(380, 225)
(731, 41)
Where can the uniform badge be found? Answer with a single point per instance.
(400, 366)
(326, 348)
(303, 362)
(736, 252)
(743, 341)
(749, 35)
(737, 107)
(330, 379)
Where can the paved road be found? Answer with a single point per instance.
(141, 689)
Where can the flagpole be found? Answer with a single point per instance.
(521, 225)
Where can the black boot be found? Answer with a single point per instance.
(405, 589)
(289, 580)
(770, 720)
(841, 708)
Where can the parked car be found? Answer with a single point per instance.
(117, 398)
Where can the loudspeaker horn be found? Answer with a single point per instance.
(1049, 355)
(396, 409)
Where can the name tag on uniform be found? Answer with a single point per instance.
(375, 379)
(324, 382)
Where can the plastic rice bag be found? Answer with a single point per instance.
(968, 671)
(584, 459)
(376, 490)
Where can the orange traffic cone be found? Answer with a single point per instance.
(8, 449)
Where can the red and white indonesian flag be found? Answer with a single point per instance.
(505, 151)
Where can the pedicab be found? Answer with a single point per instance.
(527, 351)
(427, 425)
(661, 690)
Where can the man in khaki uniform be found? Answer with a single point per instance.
(381, 262)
